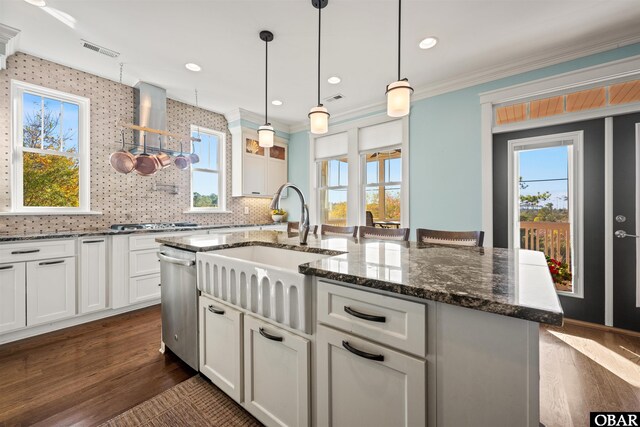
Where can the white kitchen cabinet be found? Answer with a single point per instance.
(144, 288)
(221, 346)
(276, 374)
(51, 290)
(360, 383)
(92, 290)
(257, 171)
(12, 297)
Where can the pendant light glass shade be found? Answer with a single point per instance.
(319, 120)
(266, 135)
(399, 98)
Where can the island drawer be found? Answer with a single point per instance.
(16, 252)
(391, 321)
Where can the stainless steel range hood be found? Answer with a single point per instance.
(150, 110)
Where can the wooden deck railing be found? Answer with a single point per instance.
(552, 238)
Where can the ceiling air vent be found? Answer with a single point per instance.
(332, 98)
(103, 50)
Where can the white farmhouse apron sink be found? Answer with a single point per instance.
(263, 280)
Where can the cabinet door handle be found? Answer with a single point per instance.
(255, 192)
(268, 335)
(30, 251)
(369, 317)
(6, 267)
(370, 356)
(92, 241)
(51, 262)
(215, 310)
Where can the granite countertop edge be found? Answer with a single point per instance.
(110, 232)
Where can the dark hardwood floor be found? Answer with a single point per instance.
(90, 373)
(86, 374)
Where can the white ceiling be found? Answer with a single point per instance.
(157, 37)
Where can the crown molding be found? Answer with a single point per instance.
(512, 68)
(242, 114)
(8, 37)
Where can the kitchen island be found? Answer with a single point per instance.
(411, 333)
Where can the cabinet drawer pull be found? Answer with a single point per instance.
(29, 251)
(370, 356)
(255, 192)
(6, 267)
(92, 241)
(268, 335)
(215, 310)
(51, 262)
(369, 317)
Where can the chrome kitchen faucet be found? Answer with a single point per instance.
(304, 213)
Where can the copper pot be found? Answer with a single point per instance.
(163, 158)
(147, 164)
(122, 161)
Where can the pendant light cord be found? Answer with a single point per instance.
(399, 33)
(266, 79)
(319, 38)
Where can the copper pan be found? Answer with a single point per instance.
(122, 161)
(181, 161)
(163, 158)
(147, 164)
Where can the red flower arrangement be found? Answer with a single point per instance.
(560, 271)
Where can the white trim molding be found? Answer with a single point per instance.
(8, 41)
(242, 114)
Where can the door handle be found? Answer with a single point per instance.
(621, 234)
(51, 262)
(268, 335)
(370, 356)
(369, 317)
(30, 251)
(184, 262)
(215, 310)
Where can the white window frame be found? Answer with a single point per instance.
(574, 140)
(221, 171)
(18, 89)
(355, 207)
(363, 177)
(335, 187)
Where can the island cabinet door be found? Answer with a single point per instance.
(276, 369)
(12, 297)
(360, 383)
(220, 346)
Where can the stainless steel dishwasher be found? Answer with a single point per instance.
(179, 303)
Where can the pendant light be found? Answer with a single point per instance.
(399, 92)
(319, 116)
(265, 132)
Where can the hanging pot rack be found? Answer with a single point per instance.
(177, 139)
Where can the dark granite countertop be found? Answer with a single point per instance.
(509, 282)
(68, 234)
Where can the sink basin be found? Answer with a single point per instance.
(262, 280)
(286, 259)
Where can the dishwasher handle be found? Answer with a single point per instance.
(183, 262)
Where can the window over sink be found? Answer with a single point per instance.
(50, 151)
(208, 175)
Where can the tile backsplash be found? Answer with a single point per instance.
(120, 198)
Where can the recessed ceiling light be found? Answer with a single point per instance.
(276, 102)
(428, 43)
(39, 3)
(334, 80)
(193, 67)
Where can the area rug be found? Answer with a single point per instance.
(194, 402)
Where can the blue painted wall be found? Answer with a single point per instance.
(298, 172)
(445, 163)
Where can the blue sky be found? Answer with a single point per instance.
(546, 163)
(69, 123)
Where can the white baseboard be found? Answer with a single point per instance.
(32, 331)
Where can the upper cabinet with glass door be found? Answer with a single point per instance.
(257, 171)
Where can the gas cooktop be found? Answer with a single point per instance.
(152, 226)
